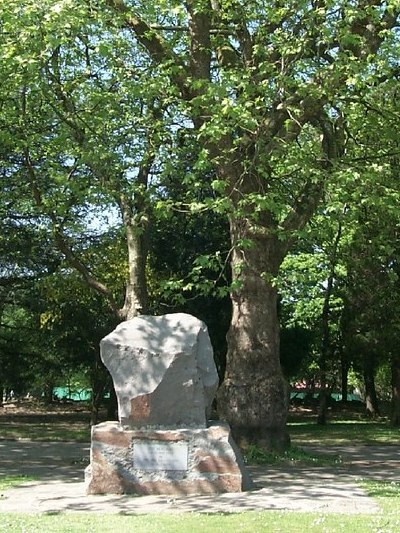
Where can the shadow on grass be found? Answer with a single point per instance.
(8, 482)
(44, 460)
(344, 432)
(382, 489)
(255, 455)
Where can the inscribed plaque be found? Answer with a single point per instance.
(160, 456)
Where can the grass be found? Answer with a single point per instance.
(387, 493)
(58, 423)
(46, 431)
(249, 522)
(345, 425)
(255, 455)
(8, 482)
(38, 422)
(383, 490)
(343, 428)
(343, 432)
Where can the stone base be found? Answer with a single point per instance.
(176, 461)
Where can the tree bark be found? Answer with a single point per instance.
(395, 415)
(326, 336)
(254, 395)
(323, 360)
(136, 296)
(98, 382)
(371, 398)
(48, 392)
(344, 374)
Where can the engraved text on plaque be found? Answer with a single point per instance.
(160, 456)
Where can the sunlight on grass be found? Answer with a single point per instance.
(46, 431)
(254, 454)
(387, 494)
(386, 491)
(343, 432)
(250, 522)
(8, 482)
(302, 433)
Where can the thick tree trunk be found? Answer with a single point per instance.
(112, 404)
(323, 397)
(324, 393)
(254, 396)
(395, 415)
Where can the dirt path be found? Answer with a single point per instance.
(60, 469)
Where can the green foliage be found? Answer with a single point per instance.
(113, 117)
(295, 348)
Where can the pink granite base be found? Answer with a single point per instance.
(213, 464)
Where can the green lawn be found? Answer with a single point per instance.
(249, 522)
(33, 420)
(61, 430)
(343, 432)
(343, 427)
(301, 432)
(7, 482)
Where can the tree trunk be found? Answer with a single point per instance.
(323, 360)
(136, 297)
(344, 373)
(136, 223)
(395, 415)
(112, 404)
(99, 379)
(323, 394)
(254, 396)
(326, 336)
(48, 392)
(371, 399)
(322, 403)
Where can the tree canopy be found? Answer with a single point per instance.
(252, 111)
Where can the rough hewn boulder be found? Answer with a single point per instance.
(163, 371)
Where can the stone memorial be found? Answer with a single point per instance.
(165, 380)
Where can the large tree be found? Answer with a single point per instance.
(263, 83)
(78, 139)
(266, 90)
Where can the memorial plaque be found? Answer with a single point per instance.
(160, 456)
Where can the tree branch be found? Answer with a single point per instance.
(200, 44)
(154, 44)
(62, 243)
(77, 264)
